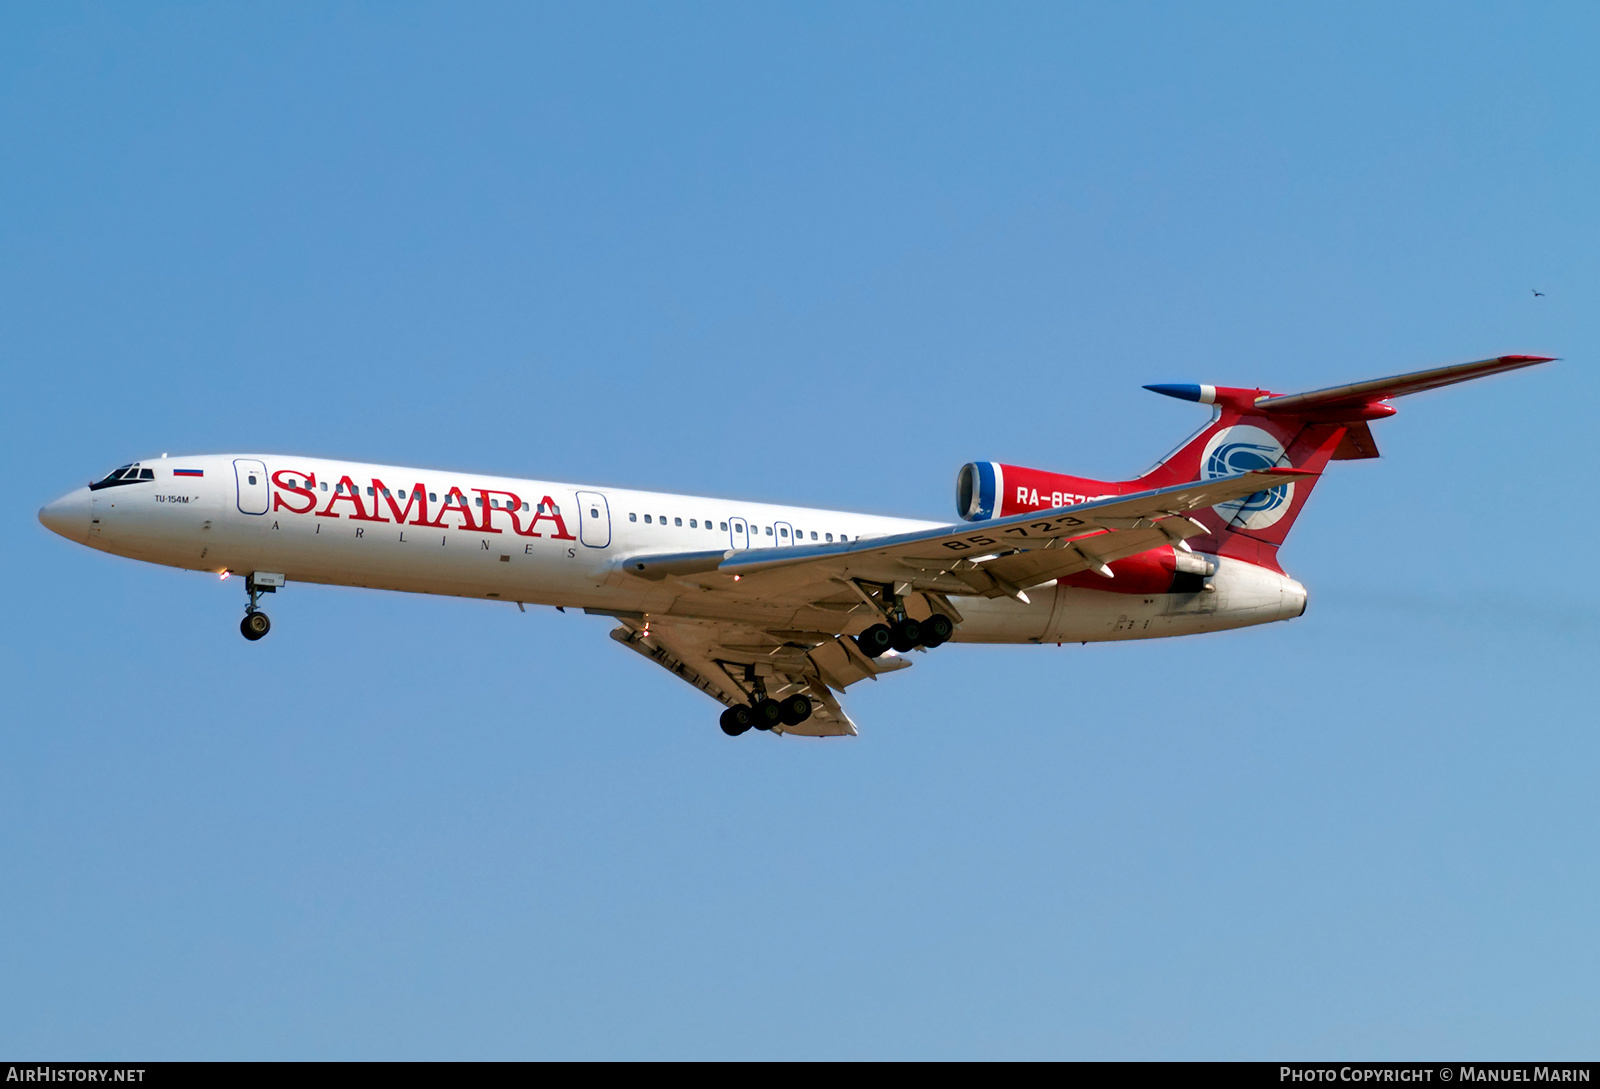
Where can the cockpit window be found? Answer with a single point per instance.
(123, 474)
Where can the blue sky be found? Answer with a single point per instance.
(820, 254)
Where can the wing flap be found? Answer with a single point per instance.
(840, 663)
(716, 659)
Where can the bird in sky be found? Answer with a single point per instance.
(1537, 294)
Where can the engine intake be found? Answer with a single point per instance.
(977, 489)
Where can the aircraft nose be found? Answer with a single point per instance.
(68, 516)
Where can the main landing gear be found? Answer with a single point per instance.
(766, 713)
(255, 623)
(905, 634)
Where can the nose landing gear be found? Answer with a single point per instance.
(255, 623)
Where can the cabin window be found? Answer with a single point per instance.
(677, 521)
(433, 497)
(478, 501)
(830, 538)
(386, 494)
(663, 518)
(647, 519)
(632, 517)
(594, 512)
(769, 531)
(692, 525)
(252, 478)
(724, 525)
(783, 531)
(813, 535)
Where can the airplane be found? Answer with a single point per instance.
(774, 610)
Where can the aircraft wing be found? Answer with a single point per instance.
(724, 659)
(989, 558)
(1003, 556)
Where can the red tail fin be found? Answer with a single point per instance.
(1251, 429)
(1241, 437)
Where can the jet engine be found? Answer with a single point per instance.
(988, 489)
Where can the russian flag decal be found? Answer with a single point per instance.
(188, 472)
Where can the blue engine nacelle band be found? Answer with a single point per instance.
(978, 490)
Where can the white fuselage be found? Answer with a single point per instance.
(542, 542)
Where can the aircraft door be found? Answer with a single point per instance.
(594, 520)
(785, 534)
(738, 533)
(251, 477)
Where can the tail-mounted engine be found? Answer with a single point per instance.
(987, 489)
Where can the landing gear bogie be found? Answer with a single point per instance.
(906, 634)
(765, 714)
(254, 625)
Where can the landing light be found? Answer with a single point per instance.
(225, 574)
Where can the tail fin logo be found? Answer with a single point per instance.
(1239, 449)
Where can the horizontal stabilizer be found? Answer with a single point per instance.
(1360, 394)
